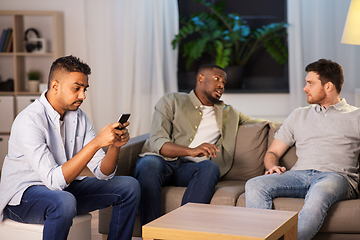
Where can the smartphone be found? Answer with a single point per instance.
(123, 119)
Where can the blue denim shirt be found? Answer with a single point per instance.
(36, 150)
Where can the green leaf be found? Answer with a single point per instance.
(276, 50)
(223, 52)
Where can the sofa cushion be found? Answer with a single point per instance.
(227, 192)
(337, 220)
(251, 145)
(339, 215)
(289, 159)
(171, 198)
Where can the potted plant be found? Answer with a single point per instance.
(227, 38)
(34, 80)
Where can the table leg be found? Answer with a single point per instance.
(291, 234)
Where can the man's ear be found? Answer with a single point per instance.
(54, 86)
(329, 86)
(200, 78)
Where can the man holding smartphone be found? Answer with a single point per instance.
(51, 142)
(192, 143)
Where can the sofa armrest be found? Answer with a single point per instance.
(128, 155)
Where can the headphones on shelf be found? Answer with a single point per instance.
(32, 46)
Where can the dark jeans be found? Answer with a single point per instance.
(153, 172)
(56, 209)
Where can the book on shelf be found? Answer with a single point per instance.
(2, 40)
(9, 47)
(7, 38)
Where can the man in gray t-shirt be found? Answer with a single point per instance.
(327, 139)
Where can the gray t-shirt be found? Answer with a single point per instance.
(325, 139)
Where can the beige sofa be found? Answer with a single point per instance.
(342, 221)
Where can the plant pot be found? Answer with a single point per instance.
(234, 77)
(34, 85)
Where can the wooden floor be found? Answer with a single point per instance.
(95, 235)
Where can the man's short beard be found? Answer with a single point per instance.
(212, 99)
(318, 99)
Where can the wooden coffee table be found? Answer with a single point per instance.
(205, 221)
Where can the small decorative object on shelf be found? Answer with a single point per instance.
(34, 44)
(34, 80)
(7, 86)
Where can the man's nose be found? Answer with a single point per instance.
(82, 95)
(221, 85)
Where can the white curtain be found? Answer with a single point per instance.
(315, 31)
(132, 60)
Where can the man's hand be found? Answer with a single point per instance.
(110, 135)
(276, 169)
(272, 156)
(170, 149)
(122, 136)
(205, 149)
(117, 139)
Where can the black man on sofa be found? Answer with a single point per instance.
(191, 144)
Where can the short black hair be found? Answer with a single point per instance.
(328, 71)
(68, 64)
(208, 66)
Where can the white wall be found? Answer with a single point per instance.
(272, 107)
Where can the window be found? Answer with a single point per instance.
(262, 74)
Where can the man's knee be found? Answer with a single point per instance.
(210, 166)
(62, 204)
(148, 166)
(133, 187)
(148, 162)
(126, 187)
(254, 183)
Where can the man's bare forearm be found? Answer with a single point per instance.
(72, 168)
(170, 149)
(271, 159)
(108, 163)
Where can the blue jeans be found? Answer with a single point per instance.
(153, 172)
(56, 209)
(320, 190)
